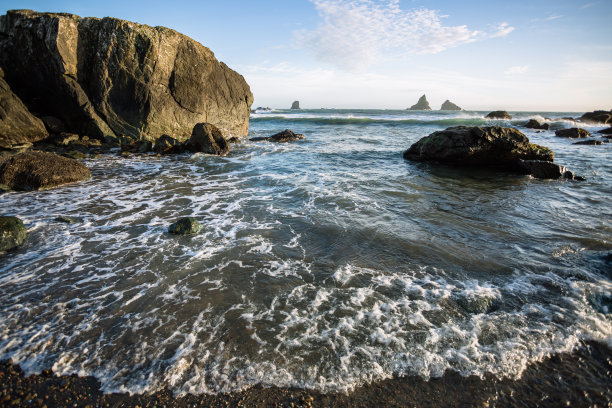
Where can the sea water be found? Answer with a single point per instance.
(325, 263)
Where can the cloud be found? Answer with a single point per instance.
(517, 70)
(355, 34)
(587, 5)
(553, 17)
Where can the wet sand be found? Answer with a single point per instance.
(580, 379)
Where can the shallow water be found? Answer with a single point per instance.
(325, 263)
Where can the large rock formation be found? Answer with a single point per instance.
(448, 105)
(17, 124)
(598, 117)
(38, 170)
(422, 104)
(109, 77)
(479, 147)
(295, 105)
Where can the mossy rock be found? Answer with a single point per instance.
(65, 220)
(183, 226)
(12, 232)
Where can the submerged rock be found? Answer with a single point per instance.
(448, 105)
(477, 304)
(535, 124)
(206, 138)
(38, 170)
(422, 104)
(498, 115)
(286, 135)
(65, 220)
(573, 133)
(12, 232)
(592, 142)
(17, 124)
(493, 146)
(183, 226)
(597, 117)
(110, 77)
(295, 105)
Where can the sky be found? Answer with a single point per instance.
(538, 55)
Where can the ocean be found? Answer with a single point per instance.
(326, 263)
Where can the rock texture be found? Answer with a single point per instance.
(17, 124)
(295, 105)
(448, 105)
(599, 116)
(494, 146)
(206, 138)
(591, 142)
(498, 115)
(109, 77)
(422, 104)
(286, 135)
(535, 124)
(183, 226)
(545, 169)
(38, 170)
(574, 133)
(12, 232)
(607, 131)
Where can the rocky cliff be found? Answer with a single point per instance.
(109, 77)
(422, 104)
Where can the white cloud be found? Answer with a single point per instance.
(517, 70)
(587, 5)
(553, 17)
(355, 34)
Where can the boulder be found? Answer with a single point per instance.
(545, 169)
(206, 138)
(17, 124)
(590, 142)
(498, 115)
(110, 77)
(183, 226)
(286, 135)
(12, 232)
(489, 147)
(597, 117)
(422, 104)
(607, 131)
(168, 145)
(574, 133)
(295, 105)
(448, 105)
(39, 170)
(535, 124)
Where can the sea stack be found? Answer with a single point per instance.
(295, 105)
(448, 105)
(422, 104)
(114, 78)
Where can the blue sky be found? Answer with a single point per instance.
(537, 55)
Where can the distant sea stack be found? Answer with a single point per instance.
(422, 104)
(113, 78)
(448, 105)
(295, 105)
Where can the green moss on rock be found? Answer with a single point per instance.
(12, 232)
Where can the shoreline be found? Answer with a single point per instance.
(582, 378)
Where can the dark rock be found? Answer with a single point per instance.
(233, 140)
(75, 154)
(206, 138)
(53, 124)
(597, 117)
(422, 104)
(543, 169)
(573, 133)
(295, 105)
(65, 220)
(498, 115)
(286, 135)
(494, 147)
(145, 146)
(448, 105)
(65, 139)
(168, 145)
(109, 77)
(40, 170)
(12, 232)
(607, 131)
(188, 225)
(535, 124)
(590, 142)
(17, 124)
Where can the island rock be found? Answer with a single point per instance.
(535, 124)
(597, 117)
(422, 104)
(448, 105)
(39, 170)
(573, 133)
(295, 105)
(498, 115)
(286, 135)
(109, 77)
(12, 232)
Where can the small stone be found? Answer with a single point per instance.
(66, 220)
(188, 225)
(12, 233)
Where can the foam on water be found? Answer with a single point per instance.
(325, 264)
